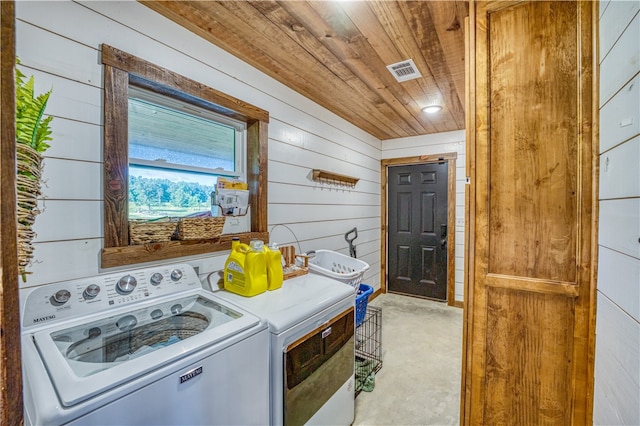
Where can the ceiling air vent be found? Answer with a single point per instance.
(405, 70)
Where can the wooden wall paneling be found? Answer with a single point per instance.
(622, 62)
(71, 180)
(617, 368)
(327, 195)
(85, 215)
(191, 55)
(10, 361)
(81, 102)
(281, 212)
(619, 171)
(310, 157)
(338, 227)
(619, 117)
(77, 141)
(302, 132)
(620, 225)
(40, 49)
(235, 21)
(615, 20)
(75, 32)
(533, 214)
(63, 260)
(618, 280)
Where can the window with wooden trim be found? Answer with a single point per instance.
(126, 75)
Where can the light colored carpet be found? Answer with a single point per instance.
(419, 383)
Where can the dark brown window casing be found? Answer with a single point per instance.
(121, 70)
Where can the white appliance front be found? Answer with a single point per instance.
(303, 304)
(163, 351)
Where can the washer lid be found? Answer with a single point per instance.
(298, 299)
(85, 358)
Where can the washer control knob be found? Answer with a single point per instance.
(176, 274)
(176, 309)
(60, 297)
(156, 278)
(91, 291)
(126, 284)
(126, 323)
(156, 313)
(94, 332)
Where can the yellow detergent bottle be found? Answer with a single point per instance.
(275, 275)
(245, 271)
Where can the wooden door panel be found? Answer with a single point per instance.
(429, 266)
(428, 213)
(403, 259)
(533, 184)
(403, 206)
(530, 336)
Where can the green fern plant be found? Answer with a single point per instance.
(33, 131)
(32, 128)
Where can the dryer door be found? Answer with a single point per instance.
(316, 366)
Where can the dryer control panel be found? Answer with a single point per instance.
(70, 299)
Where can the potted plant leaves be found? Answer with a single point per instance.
(33, 131)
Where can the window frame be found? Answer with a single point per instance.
(239, 128)
(121, 70)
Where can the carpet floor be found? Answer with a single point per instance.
(419, 383)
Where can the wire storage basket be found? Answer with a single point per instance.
(335, 265)
(368, 350)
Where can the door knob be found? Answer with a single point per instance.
(443, 243)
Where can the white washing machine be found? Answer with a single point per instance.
(311, 321)
(145, 347)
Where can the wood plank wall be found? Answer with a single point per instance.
(617, 369)
(59, 43)
(440, 143)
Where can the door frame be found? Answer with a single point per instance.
(450, 158)
(10, 355)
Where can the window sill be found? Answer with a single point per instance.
(128, 255)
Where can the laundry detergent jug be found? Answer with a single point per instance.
(275, 274)
(245, 271)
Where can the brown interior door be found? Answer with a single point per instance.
(529, 339)
(418, 229)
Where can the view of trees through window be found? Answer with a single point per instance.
(176, 152)
(152, 196)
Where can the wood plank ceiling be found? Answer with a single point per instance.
(336, 53)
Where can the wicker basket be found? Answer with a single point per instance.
(200, 228)
(143, 232)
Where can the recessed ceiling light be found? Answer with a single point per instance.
(431, 109)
